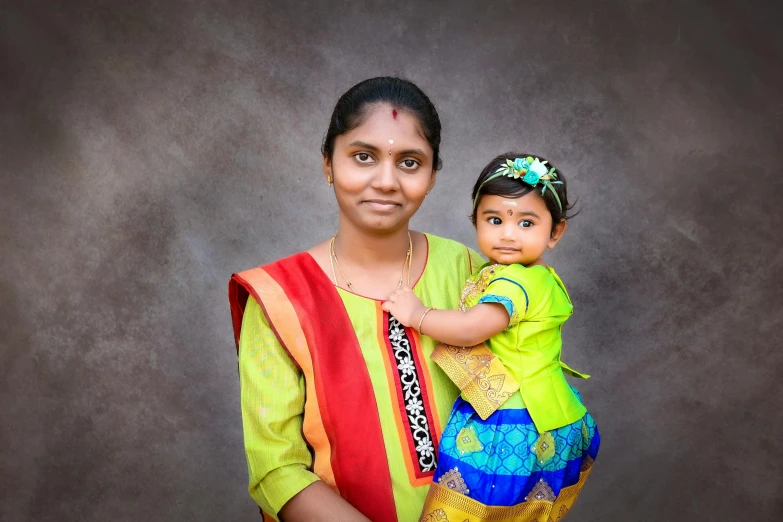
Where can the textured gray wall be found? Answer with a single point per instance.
(149, 149)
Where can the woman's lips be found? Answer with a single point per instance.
(382, 205)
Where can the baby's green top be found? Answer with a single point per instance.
(538, 304)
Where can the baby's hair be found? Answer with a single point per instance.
(516, 188)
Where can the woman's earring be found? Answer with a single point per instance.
(329, 179)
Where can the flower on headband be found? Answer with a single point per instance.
(531, 178)
(532, 170)
(535, 172)
(539, 167)
(513, 169)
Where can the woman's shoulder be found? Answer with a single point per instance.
(444, 250)
(301, 260)
(444, 244)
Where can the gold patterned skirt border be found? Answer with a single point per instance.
(446, 505)
(485, 383)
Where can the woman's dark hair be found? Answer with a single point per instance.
(351, 109)
(516, 188)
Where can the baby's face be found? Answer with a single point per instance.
(515, 230)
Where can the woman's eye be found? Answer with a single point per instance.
(525, 223)
(495, 221)
(362, 157)
(410, 164)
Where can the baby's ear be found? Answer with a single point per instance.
(557, 232)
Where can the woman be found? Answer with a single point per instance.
(341, 405)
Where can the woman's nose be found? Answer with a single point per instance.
(386, 176)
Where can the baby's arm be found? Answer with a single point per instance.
(453, 327)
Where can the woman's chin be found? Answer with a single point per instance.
(382, 222)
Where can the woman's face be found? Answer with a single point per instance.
(382, 169)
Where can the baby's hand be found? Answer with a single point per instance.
(404, 306)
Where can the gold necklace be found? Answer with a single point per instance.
(407, 263)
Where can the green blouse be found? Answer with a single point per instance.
(538, 304)
(280, 461)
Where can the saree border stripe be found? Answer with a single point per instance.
(285, 324)
(348, 406)
(399, 404)
(427, 399)
(446, 504)
(410, 456)
(437, 427)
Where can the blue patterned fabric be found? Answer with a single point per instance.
(503, 458)
(505, 301)
(497, 279)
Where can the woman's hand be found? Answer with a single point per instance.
(405, 306)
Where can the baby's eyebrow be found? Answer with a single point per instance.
(528, 213)
(517, 213)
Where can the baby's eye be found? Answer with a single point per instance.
(525, 223)
(495, 221)
(362, 157)
(409, 163)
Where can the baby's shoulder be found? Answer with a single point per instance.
(534, 275)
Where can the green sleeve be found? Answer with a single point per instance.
(272, 394)
(511, 286)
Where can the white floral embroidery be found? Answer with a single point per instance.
(396, 334)
(406, 366)
(411, 391)
(414, 407)
(425, 447)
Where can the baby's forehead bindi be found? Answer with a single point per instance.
(510, 205)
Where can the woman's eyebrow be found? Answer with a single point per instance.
(364, 145)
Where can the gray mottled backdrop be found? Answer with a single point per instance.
(149, 149)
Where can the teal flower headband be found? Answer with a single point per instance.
(532, 170)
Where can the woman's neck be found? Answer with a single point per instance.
(360, 248)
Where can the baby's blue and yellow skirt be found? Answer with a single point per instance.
(503, 469)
